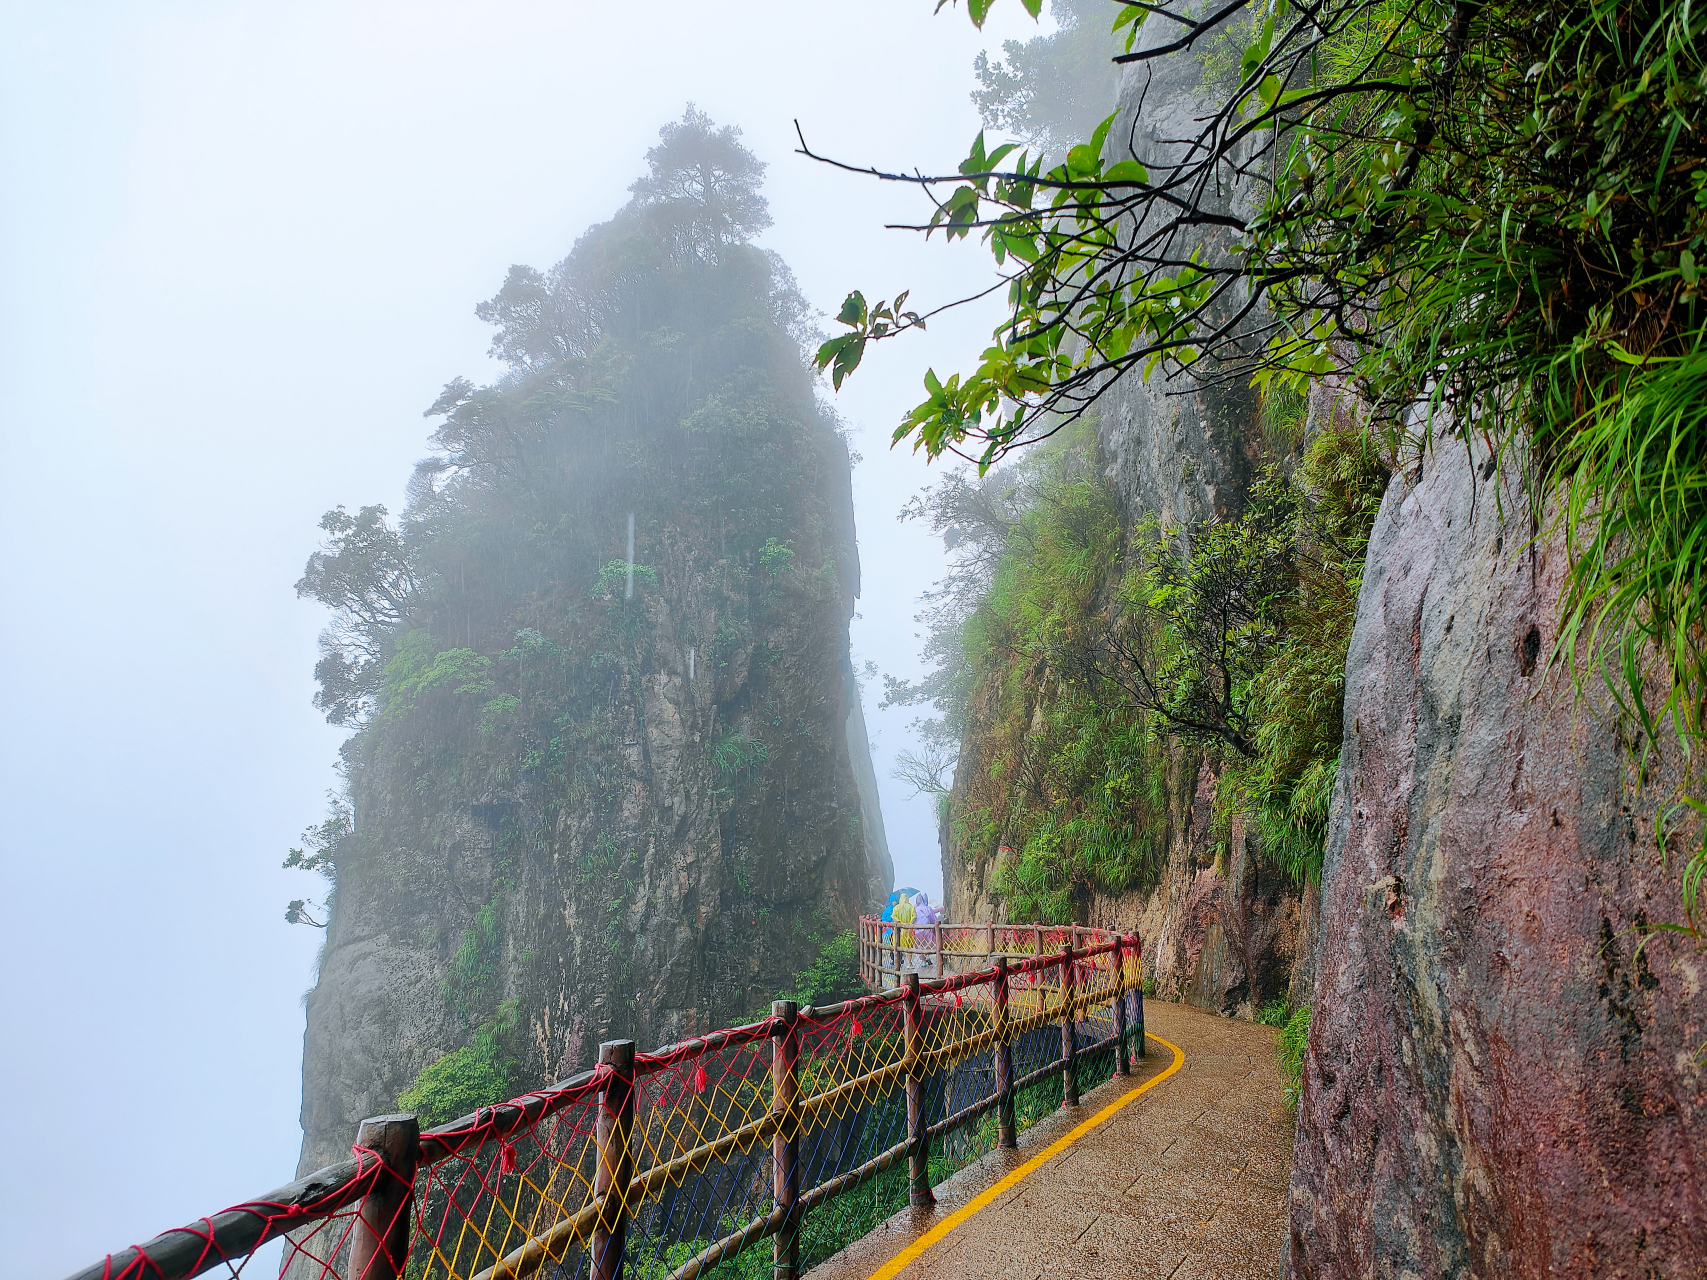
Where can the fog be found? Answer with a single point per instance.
(242, 245)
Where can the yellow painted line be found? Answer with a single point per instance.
(899, 1263)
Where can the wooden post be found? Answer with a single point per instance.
(1069, 1038)
(379, 1242)
(1136, 998)
(1122, 1058)
(616, 1160)
(1037, 943)
(785, 1147)
(1005, 1134)
(936, 934)
(918, 1130)
(989, 941)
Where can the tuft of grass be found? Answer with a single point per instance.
(1635, 525)
(1273, 1014)
(735, 754)
(1289, 1049)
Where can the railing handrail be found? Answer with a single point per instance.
(185, 1252)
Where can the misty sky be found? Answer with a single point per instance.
(240, 246)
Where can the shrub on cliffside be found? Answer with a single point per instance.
(1076, 655)
(476, 1075)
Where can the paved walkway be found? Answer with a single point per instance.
(1187, 1181)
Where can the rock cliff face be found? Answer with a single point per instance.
(615, 779)
(1498, 1082)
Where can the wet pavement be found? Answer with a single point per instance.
(1186, 1182)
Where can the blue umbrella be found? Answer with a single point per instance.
(889, 911)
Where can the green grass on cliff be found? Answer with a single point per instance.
(478, 1074)
(1070, 777)
(1289, 1049)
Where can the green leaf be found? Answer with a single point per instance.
(853, 309)
(1100, 136)
(1126, 171)
(847, 359)
(975, 161)
(831, 349)
(1255, 54)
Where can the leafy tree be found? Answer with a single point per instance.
(319, 853)
(705, 178)
(365, 574)
(977, 518)
(926, 770)
(1209, 618)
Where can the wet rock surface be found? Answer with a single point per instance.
(1497, 1082)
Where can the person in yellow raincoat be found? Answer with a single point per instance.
(905, 914)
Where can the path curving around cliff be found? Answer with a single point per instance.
(1186, 1181)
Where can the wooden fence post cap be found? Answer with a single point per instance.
(787, 1010)
(396, 1138)
(382, 1128)
(404, 1118)
(617, 1053)
(910, 980)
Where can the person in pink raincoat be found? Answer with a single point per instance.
(927, 918)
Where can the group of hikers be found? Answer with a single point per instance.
(915, 919)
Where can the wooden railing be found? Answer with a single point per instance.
(887, 949)
(665, 1164)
